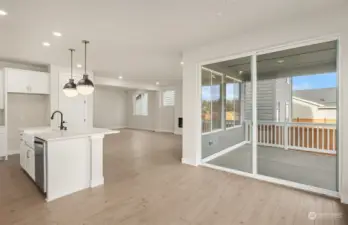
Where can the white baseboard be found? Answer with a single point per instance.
(223, 152)
(344, 198)
(145, 129)
(117, 128)
(97, 182)
(188, 162)
(13, 152)
(164, 131)
(177, 133)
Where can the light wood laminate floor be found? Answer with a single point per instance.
(145, 183)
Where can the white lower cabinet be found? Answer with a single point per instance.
(27, 160)
(31, 162)
(23, 155)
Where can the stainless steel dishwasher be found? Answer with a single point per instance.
(40, 164)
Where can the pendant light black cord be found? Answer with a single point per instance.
(85, 42)
(71, 62)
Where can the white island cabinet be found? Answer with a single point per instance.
(73, 161)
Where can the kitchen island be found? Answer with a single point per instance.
(68, 161)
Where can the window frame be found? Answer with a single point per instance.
(163, 98)
(222, 90)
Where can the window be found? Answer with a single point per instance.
(169, 98)
(140, 104)
(212, 102)
(216, 101)
(233, 102)
(206, 102)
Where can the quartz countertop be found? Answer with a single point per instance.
(69, 134)
(35, 129)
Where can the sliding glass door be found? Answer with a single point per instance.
(226, 114)
(297, 115)
(274, 115)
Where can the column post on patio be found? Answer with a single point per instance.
(286, 135)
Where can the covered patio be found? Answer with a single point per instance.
(298, 152)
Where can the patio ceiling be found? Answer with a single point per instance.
(319, 58)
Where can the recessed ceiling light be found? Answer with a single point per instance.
(79, 66)
(46, 44)
(157, 83)
(280, 61)
(57, 34)
(182, 62)
(241, 72)
(120, 77)
(3, 13)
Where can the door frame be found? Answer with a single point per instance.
(253, 55)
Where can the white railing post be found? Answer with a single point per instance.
(286, 136)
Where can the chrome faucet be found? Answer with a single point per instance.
(61, 127)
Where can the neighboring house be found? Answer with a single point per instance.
(315, 105)
(277, 102)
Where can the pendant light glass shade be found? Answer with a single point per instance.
(85, 86)
(69, 88)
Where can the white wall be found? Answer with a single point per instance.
(302, 110)
(159, 119)
(143, 122)
(110, 107)
(269, 35)
(25, 110)
(166, 114)
(178, 109)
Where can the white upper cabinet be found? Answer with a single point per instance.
(26, 81)
(2, 90)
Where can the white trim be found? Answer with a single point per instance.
(331, 152)
(232, 78)
(212, 132)
(286, 183)
(340, 113)
(115, 128)
(234, 127)
(145, 129)
(164, 131)
(223, 152)
(344, 199)
(212, 71)
(188, 162)
(13, 152)
(298, 44)
(254, 121)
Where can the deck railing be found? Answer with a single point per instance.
(314, 137)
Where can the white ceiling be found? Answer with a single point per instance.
(140, 39)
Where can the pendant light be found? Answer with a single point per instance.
(69, 88)
(85, 86)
